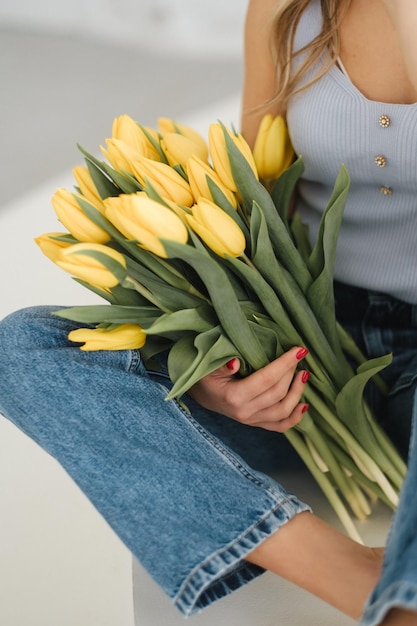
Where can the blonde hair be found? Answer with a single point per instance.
(285, 22)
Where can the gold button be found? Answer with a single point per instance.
(387, 191)
(384, 121)
(380, 160)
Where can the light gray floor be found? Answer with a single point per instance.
(57, 91)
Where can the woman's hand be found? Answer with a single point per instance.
(268, 398)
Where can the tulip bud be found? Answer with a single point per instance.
(219, 231)
(138, 217)
(197, 172)
(90, 261)
(220, 156)
(166, 125)
(71, 215)
(273, 152)
(178, 149)
(120, 155)
(127, 130)
(164, 179)
(123, 337)
(51, 246)
(87, 186)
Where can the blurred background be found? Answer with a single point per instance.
(67, 68)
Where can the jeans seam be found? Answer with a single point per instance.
(233, 554)
(134, 361)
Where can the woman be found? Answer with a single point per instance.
(184, 490)
(345, 76)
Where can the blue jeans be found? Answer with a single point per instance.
(188, 492)
(173, 484)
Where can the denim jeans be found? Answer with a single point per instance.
(188, 490)
(380, 324)
(171, 482)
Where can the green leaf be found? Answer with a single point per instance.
(197, 320)
(108, 181)
(301, 236)
(166, 296)
(320, 294)
(224, 301)
(350, 400)
(354, 413)
(102, 182)
(114, 314)
(152, 347)
(128, 297)
(294, 301)
(189, 361)
(269, 339)
(283, 190)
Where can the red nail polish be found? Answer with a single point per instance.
(305, 408)
(305, 376)
(231, 364)
(301, 354)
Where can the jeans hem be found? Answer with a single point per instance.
(226, 570)
(400, 595)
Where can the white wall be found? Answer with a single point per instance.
(175, 26)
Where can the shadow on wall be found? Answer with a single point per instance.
(182, 27)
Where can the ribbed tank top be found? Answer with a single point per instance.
(331, 123)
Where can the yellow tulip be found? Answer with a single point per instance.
(127, 130)
(87, 186)
(197, 172)
(124, 337)
(77, 261)
(178, 149)
(220, 156)
(273, 152)
(166, 125)
(219, 231)
(164, 179)
(71, 215)
(120, 155)
(138, 217)
(50, 246)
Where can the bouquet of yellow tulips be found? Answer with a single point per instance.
(191, 245)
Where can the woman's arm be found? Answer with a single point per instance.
(259, 68)
(403, 14)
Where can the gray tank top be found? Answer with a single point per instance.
(333, 123)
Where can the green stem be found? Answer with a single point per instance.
(329, 491)
(309, 429)
(353, 444)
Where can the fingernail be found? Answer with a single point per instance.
(305, 376)
(305, 408)
(231, 364)
(301, 354)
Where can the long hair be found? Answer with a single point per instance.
(327, 43)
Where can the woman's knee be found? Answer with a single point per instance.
(30, 328)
